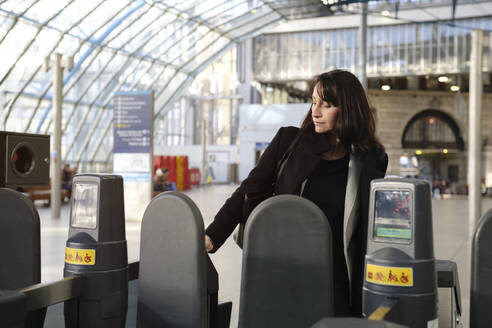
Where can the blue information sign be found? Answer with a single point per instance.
(132, 122)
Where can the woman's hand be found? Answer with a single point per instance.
(208, 244)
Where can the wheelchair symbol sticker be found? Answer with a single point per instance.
(80, 256)
(389, 276)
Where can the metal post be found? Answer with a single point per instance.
(2, 109)
(231, 122)
(244, 61)
(182, 120)
(363, 46)
(481, 265)
(211, 122)
(204, 150)
(56, 153)
(475, 129)
(58, 65)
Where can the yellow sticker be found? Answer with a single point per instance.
(390, 276)
(80, 256)
(380, 313)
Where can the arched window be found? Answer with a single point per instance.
(432, 129)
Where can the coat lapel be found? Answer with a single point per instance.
(300, 164)
(350, 211)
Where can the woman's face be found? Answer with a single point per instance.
(324, 114)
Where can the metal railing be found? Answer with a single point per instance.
(40, 296)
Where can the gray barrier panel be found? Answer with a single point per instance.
(287, 274)
(20, 249)
(448, 283)
(354, 323)
(19, 239)
(481, 274)
(172, 289)
(12, 309)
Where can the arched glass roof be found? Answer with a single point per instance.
(117, 45)
(122, 45)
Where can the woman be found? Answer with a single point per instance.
(336, 157)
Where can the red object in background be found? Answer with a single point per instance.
(195, 176)
(157, 163)
(191, 176)
(186, 174)
(171, 162)
(165, 162)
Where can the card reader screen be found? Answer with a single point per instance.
(84, 205)
(393, 215)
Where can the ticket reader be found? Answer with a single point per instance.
(96, 250)
(400, 262)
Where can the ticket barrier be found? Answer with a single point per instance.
(263, 248)
(401, 279)
(178, 284)
(449, 303)
(481, 274)
(400, 260)
(20, 252)
(96, 251)
(287, 277)
(282, 257)
(13, 309)
(96, 275)
(96, 266)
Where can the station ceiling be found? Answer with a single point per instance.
(124, 46)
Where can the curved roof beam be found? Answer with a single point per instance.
(176, 94)
(98, 41)
(90, 85)
(50, 98)
(101, 72)
(118, 88)
(16, 19)
(84, 41)
(178, 69)
(190, 77)
(101, 139)
(125, 66)
(168, 49)
(40, 28)
(108, 99)
(68, 89)
(29, 80)
(97, 120)
(26, 48)
(194, 19)
(161, 91)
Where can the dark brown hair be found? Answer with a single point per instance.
(355, 121)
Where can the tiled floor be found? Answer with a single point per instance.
(451, 242)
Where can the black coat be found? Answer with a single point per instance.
(305, 157)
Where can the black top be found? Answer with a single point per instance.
(326, 187)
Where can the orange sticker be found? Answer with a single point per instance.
(80, 256)
(389, 276)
